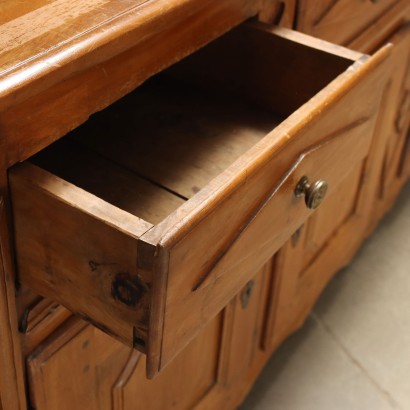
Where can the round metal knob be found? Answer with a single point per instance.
(314, 193)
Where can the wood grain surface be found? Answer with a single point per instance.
(235, 188)
(60, 62)
(106, 375)
(112, 181)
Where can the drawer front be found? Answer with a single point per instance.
(340, 21)
(155, 286)
(243, 222)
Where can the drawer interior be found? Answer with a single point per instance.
(157, 147)
(163, 143)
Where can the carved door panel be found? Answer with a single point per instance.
(72, 368)
(386, 171)
(183, 384)
(330, 238)
(396, 118)
(320, 247)
(340, 21)
(80, 367)
(243, 327)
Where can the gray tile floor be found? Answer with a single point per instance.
(353, 353)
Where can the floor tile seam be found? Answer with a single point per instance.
(356, 362)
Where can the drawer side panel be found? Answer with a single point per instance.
(81, 252)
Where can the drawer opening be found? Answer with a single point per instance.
(163, 143)
(158, 147)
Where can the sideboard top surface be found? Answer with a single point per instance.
(41, 38)
(30, 30)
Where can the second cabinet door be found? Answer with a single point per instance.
(80, 367)
(390, 164)
(329, 239)
(320, 247)
(244, 321)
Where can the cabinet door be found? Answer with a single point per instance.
(390, 162)
(328, 240)
(340, 21)
(400, 84)
(365, 26)
(182, 385)
(319, 248)
(244, 318)
(80, 367)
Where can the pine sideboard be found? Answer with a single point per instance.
(179, 180)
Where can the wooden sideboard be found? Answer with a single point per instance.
(179, 181)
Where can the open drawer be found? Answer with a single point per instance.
(151, 216)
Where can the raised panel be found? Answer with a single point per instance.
(296, 285)
(330, 238)
(183, 384)
(80, 367)
(244, 319)
(69, 371)
(399, 114)
(39, 320)
(386, 174)
(340, 21)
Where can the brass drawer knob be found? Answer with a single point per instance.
(314, 193)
